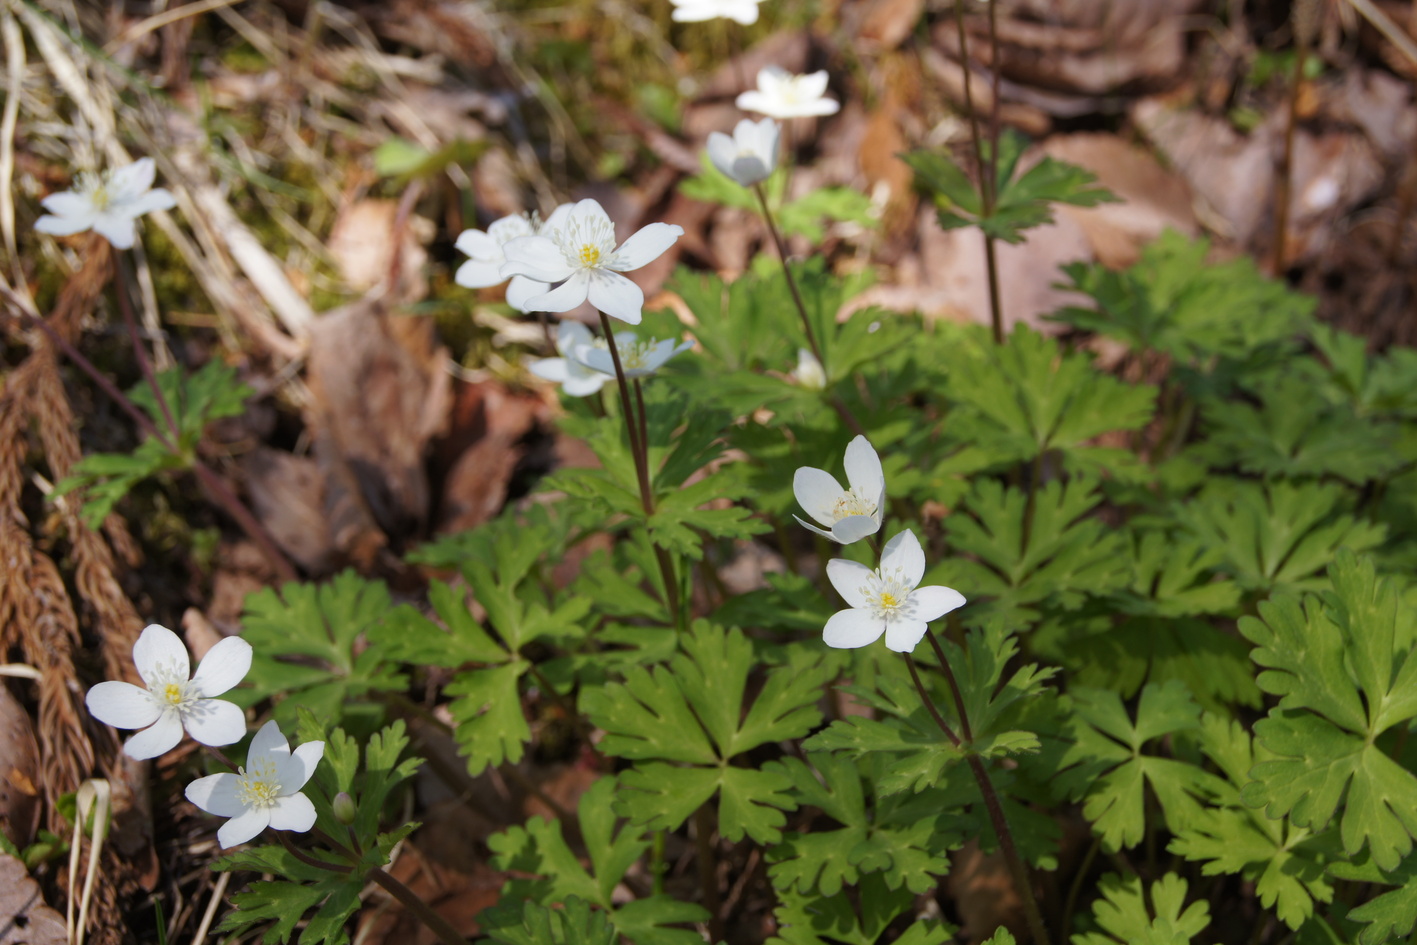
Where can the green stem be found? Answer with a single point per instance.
(1075, 889)
(787, 271)
(708, 873)
(1017, 868)
(656, 863)
(639, 448)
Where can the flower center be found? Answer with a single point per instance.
(258, 788)
(888, 596)
(169, 687)
(587, 243)
(635, 357)
(850, 503)
(95, 188)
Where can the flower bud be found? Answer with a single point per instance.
(344, 808)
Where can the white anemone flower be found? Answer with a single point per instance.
(265, 792)
(750, 155)
(575, 378)
(887, 600)
(581, 251)
(849, 514)
(696, 11)
(638, 358)
(484, 267)
(106, 203)
(780, 94)
(171, 700)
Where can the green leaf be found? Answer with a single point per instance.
(1177, 301)
(1123, 914)
(1046, 399)
(1066, 555)
(1287, 867)
(832, 920)
(305, 640)
(1295, 432)
(487, 709)
(535, 924)
(538, 848)
(1391, 915)
(1106, 766)
(1276, 536)
(1022, 202)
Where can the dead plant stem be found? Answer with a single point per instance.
(1284, 175)
(218, 488)
(125, 305)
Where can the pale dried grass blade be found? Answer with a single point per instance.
(1384, 24)
(14, 82)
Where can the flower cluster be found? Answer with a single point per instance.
(750, 155)
(888, 600)
(266, 791)
(585, 364)
(574, 246)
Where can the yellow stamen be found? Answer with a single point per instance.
(590, 255)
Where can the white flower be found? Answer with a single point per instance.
(171, 701)
(264, 793)
(850, 514)
(810, 373)
(750, 155)
(575, 377)
(780, 94)
(638, 358)
(581, 250)
(107, 204)
(696, 11)
(887, 600)
(484, 268)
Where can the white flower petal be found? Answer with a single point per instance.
(122, 705)
(521, 290)
(537, 257)
(550, 369)
(149, 202)
(863, 467)
(583, 385)
(854, 528)
(158, 647)
(479, 274)
(216, 794)
(66, 225)
(292, 812)
(749, 170)
(509, 228)
(934, 601)
(564, 297)
(615, 295)
(119, 230)
(851, 580)
(127, 183)
(67, 203)
(646, 246)
(904, 552)
(225, 665)
(244, 826)
(478, 245)
(722, 150)
(599, 359)
(300, 767)
(852, 628)
(904, 633)
(812, 85)
(812, 528)
(570, 335)
(817, 491)
(558, 218)
(215, 722)
(754, 101)
(269, 743)
(161, 738)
